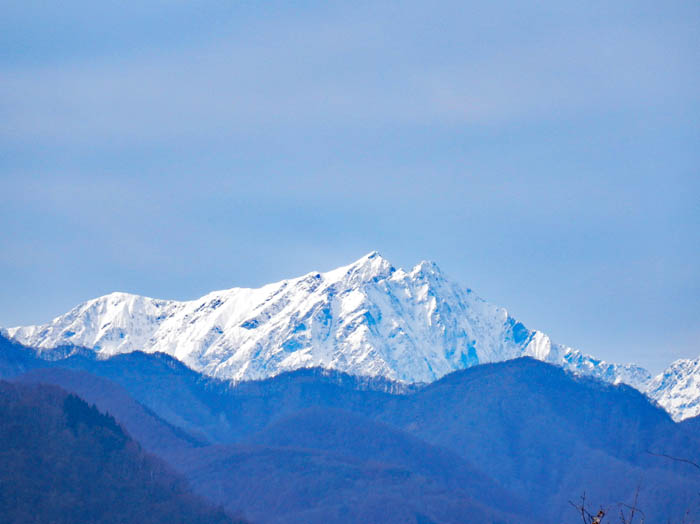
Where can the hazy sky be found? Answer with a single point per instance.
(545, 154)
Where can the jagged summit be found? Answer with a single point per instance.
(373, 255)
(367, 318)
(677, 389)
(372, 265)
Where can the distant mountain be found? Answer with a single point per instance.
(547, 434)
(316, 445)
(325, 465)
(367, 318)
(151, 431)
(677, 389)
(63, 461)
(208, 409)
(159, 382)
(543, 435)
(392, 477)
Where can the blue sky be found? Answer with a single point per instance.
(544, 154)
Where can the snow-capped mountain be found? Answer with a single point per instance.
(677, 389)
(367, 318)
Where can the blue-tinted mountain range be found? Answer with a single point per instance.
(508, 442)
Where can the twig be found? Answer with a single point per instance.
(677, 459)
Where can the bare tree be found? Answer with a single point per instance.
(628, 512)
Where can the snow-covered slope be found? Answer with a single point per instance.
(677, 389)
(367, 318)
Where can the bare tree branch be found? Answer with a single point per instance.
(586, 516)
(633, 509)
(677, 459)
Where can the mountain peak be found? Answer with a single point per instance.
(373, 259)
(677, 389)
(427, 267)
(370, 266)
(366, 318)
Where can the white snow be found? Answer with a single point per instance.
(677, 389)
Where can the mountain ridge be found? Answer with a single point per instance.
(367, 318)
(542, 433)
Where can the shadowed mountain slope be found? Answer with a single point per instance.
(151, 431)
(353, 468)
(303, 485)
(546, 434)
(529, 430)
(63, 461)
